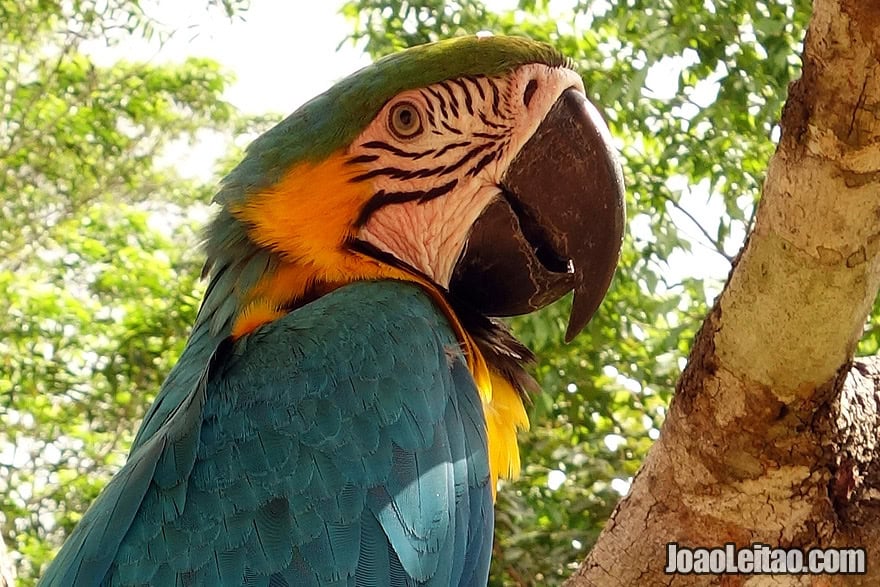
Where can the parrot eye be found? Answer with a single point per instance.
(404, 120)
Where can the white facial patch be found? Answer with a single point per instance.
(434, 158)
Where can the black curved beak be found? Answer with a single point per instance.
(558, 227)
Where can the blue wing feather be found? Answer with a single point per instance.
(343, 444)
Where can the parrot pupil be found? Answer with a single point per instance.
(405, 121)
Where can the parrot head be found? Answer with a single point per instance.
(475, 167)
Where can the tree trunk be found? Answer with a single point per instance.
(772, 436)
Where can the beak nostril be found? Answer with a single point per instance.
(531, 88)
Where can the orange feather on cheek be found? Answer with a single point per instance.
(307, 219)
(309, 214)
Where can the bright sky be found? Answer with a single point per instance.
(280, 53)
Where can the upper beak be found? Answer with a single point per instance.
(559, 226)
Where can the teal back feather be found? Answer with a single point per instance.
(343, 444)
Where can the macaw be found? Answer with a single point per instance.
(347, 398)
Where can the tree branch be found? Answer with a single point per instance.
(716, 247)
(771, 437)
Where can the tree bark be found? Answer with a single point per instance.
(772, 436)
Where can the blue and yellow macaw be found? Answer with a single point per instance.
(346, 400)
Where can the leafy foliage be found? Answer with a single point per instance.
(96, 264)
(694, 150)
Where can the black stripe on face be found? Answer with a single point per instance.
(468, 156)
(365, 248)
(397, 173)
(473, 171)
(496, 97)
(491, 124)
(362, 159)
(392, 172)
(394, 150)
(488, 135)
(453, 101)
(440, 100)
(476, 82)
(451, 129)
(451, 146)
(429, 104)
(382, 198)
(468, 101)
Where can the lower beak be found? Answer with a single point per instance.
(558, 226)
